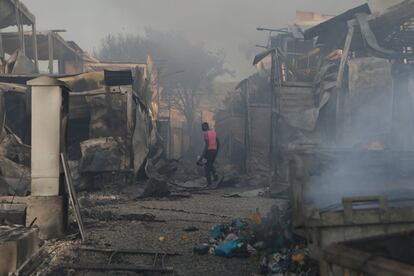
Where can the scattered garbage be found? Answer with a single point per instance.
(237, 247)
(269, 237)
(191, 229)
(295, 261)
(256, 217)
(202, 249)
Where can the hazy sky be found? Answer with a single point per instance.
(221, 24)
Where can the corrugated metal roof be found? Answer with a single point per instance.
(331, 23)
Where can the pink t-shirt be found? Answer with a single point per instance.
(211, 138)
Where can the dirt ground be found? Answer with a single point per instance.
(202, 211)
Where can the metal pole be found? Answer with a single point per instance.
(170, 150)
(272, 99)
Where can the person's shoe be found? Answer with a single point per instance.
(209, 182)
(217, 183)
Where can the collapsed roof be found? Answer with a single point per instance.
(393, 27)
(61, 48)
(8, 16)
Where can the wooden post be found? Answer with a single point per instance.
(247, 127)
(35, 54)
(339, 83)
(50, 46)
(20, 27)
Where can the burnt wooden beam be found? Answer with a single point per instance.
(128, 251)
(118, 267)
(339, 82)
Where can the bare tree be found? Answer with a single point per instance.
(186, 101)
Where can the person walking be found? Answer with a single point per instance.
(211, 148)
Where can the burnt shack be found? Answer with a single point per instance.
(349, 172)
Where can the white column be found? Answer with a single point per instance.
(46, 131)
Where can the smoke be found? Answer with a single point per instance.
(360, 172)
(220, 24)
(372, 160)
(180, 62)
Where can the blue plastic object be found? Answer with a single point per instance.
(228, 249)
(216, 232)
(237, 223)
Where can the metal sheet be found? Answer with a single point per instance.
(371, 40)
(298, 107)
(370, 109)
(331, 24)
(379, 7)
(140, 139)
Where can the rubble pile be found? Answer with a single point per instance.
(293, 260)
(269, 238)
(14, 165)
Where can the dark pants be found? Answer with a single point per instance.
(210, 156)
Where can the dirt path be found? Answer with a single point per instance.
(200, 210)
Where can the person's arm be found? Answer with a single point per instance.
(203, 154)
(205, 150)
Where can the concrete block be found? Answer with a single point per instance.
(50, 213)
(17, 244)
